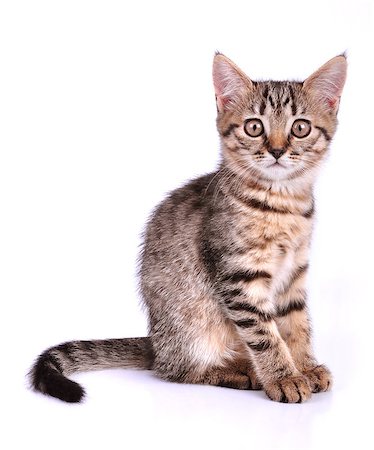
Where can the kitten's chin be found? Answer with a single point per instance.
(276, 171)
(299, 176)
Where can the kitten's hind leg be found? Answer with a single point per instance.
(237, 375)
(225, 377)
(246, 366)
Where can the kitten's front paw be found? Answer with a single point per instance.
(320, 378)
(293, 389)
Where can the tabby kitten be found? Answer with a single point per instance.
(225, 257)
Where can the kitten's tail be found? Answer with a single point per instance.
(48, 375)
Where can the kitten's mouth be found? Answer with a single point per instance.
(276, 164)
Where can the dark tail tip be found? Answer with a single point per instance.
(61, 387)
(46, 377)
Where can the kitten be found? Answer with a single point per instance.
(225, 258)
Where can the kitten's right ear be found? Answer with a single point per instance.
(326, 84)
(230, 83)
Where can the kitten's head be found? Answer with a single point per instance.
(276, 130)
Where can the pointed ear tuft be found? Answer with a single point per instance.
(230, 83)
(326, 84)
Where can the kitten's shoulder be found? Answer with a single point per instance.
(182, 208)
(196, 192)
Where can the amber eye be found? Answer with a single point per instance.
(301, 128)
(253, 127)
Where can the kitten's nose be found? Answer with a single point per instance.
(277, 152)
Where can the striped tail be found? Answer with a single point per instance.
(49, 373)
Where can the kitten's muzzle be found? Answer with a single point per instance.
(277, 152)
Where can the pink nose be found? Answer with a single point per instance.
(277, 152)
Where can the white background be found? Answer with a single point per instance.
(104, 107)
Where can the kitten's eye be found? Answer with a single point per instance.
(301, 128)
(253, 127)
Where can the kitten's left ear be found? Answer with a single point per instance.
(230, 83)
(326, 84)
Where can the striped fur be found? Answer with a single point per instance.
(225, 258)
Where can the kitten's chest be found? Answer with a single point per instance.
(283, 268)
(279, 245)
(289, 251)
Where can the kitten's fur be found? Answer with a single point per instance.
(225, 257)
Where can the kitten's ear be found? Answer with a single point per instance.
(230, 83)
(326, 84)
